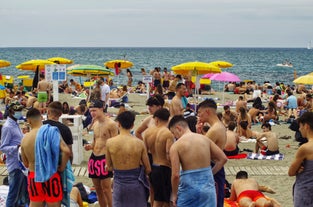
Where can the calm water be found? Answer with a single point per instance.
(249, 63)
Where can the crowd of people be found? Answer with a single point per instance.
(176, 156)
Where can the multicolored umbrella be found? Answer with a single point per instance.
(4, 63)
(90, 70)
(60, 60)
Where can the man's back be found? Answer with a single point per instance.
(28, 148)
(241, 185)
(163, 142)
(150, 138)
(193, 151)
(176, 107)
(231, 141)
(125, 151)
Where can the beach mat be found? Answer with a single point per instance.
(256, 156)
(228, 203)
(239, 156)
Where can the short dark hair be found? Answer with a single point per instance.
(178, 119)
(155, 100)
(267, 125)
(33, 113)
(232, 125)
(56, 108)
(126, 119)
(306, 118)
(192, 122)
(226, 107)
(162, 114)
(208, 103)
(179, 85)
(242, 175)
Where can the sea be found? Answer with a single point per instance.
(258, 64)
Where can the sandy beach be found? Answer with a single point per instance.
(271, 173)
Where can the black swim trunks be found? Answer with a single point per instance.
(96, 167)
(232, 153)
(161, 182)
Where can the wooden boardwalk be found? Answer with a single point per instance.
(253, 171)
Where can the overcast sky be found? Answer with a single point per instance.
(156, 23)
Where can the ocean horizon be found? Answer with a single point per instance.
(250, 63)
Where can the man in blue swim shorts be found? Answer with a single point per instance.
(194, 185)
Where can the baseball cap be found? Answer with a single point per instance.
(96, 104)
(16, 106)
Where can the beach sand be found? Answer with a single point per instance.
(280, 182)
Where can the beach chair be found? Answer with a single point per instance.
(28, 84)
(9, 81)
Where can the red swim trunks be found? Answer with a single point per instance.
(49, 191)
(252, 194)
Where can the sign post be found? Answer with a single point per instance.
(147, 79)
(55, 73)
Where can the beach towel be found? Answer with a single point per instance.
(196, 188)
(47, 151)
(68, 180)
(239, 156)
(228, 203)
(130, 188)
(303, 186)
(257, 156)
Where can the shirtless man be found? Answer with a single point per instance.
(246, 192)
(240, 103)
(153, 103)
(177, 106)
(158, 141)
(43, 92)
(104, 128)
(125, 155)
(185, 152)
(271, 148)
(228, 116)
(38, 193)
(231, 147)
(156, 77)
(217, 133)
(166, 78)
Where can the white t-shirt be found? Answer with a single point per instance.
(105, 91)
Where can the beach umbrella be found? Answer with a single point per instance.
(221, 64)
(60, 60)
(23, 76)
(305, 79)
(223, 77)
(89, 70)
(204, 81)
(121, 64)
(32, 65)
(195, 69)
(4, 63)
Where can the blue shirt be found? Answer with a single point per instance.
(292, 102)
(11, 137)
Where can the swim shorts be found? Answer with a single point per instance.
(49, 191)
(265, 151)
(96, 167)
(161, 182)
(233, 152)
(42, 97)
(254, 195)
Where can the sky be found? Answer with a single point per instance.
(156, 23)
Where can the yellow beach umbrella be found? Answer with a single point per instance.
(305, 79)
(23, 76)
(34, 64)
(90, 70)
(4, 63)
(222, 64)
(122, 64)
(60, 60)
(204, 81)
(195, 68)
